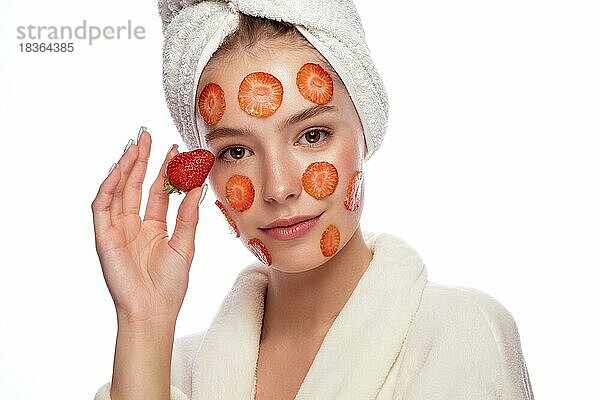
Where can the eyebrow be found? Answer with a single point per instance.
(294, 119)
(306, 114)
(226, 132)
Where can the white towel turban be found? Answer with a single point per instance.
(194, 30)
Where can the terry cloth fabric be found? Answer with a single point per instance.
(398, 337)
(194, 30)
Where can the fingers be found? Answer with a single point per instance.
(158, 200)
(125, 163)
(132, 193)
(184, 234)
(102, 201)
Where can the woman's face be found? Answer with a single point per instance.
(284, 165)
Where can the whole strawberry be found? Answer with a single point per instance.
(188, 170)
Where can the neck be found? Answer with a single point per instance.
(307, 303)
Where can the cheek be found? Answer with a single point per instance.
(352, 198)
(239, 192)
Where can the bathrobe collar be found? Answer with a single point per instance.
(356, 354)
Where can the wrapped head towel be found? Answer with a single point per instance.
(195, 29)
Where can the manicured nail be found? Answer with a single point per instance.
(204, 190)
(173, 146)
(112, 168)
(142, 129)
(129, 143)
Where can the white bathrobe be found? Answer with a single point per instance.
(399, 337)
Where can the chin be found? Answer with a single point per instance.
(297, 267)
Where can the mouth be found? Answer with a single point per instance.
(290, 228)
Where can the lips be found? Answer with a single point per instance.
(290, 228)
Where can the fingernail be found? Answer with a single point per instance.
(112, 168)
(173, 146)
(142, 129)
(129, 143)
(204, 190)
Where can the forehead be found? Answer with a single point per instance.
(283, 62)
(277, 59)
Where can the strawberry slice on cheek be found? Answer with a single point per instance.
(330, 241)
(260, 251)
(320, 179)
(239, 192)
(230, 220)
(353, 192)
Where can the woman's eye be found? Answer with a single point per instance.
(315, 136)
(234, 153)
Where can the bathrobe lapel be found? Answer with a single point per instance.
(358, 351)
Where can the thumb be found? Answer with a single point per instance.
(184, 234)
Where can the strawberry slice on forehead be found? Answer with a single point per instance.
(260, 94)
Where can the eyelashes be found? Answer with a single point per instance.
(322, 132)
(228, 152)
(315, 137)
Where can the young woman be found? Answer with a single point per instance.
(291, 110)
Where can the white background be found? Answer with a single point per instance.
(489, 170)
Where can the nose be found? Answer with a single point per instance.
(281, 178)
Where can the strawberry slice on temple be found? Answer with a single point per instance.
(260, 94)
(314, 83)
(188, 170)
(211, 103)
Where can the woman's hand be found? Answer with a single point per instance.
(146, 272)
